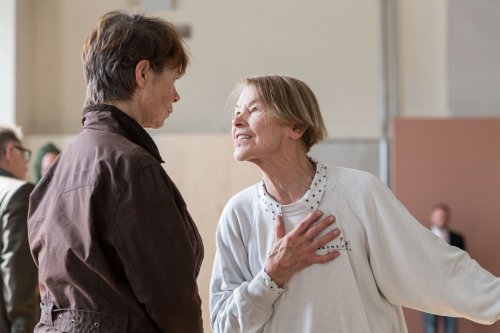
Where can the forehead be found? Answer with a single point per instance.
(439, 210)
(248, 96)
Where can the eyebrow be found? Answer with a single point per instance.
(252, 102)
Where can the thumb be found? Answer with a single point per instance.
(279, 228)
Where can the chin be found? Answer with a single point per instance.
(154, 124)
(157, 125)
(241, 156)
(238, 156)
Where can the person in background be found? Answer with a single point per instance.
(440, 220)
(18, 297)
(43, 159)
(116, 247)
(279, 276)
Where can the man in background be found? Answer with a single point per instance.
(18, 273)
(440, 219)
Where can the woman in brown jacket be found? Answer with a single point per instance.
(116, 248)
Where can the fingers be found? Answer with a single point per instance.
(279, 228)
(322, 258)
(296, 250)
(313, 231)
(306, 223)
(325, 239)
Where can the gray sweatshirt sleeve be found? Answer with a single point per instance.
(416, 269)
(239, 301)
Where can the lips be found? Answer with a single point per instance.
(240, 138)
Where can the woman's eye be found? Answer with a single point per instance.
(253, 109)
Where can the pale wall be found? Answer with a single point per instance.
(7, 61)
(332, 45)
(422, 35)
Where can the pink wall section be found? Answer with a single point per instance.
(456, 161)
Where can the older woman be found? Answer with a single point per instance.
(262, 279)
(116, 248)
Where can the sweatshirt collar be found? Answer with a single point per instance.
(311, 198)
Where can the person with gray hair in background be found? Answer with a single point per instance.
(18, 296)
(115, 244)
(320, 248)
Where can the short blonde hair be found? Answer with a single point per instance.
(291, 102)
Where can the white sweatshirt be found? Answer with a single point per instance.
(388, 260)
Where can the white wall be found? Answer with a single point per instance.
(422, 58)
(333, 45)
(7, 62)
(25, 53)
(474, 53)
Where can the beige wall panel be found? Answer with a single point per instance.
(204, 170)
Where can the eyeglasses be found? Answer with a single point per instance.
(26, 153)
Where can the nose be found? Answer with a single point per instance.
(177, 97)
(238, 119)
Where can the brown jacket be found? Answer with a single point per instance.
(116, 247)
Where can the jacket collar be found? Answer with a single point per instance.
(109, 117)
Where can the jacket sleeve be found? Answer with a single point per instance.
(156, 246)
(239, 302)
(415, 269)
(18, 270)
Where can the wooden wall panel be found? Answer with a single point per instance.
(203, 168)
(456, 161)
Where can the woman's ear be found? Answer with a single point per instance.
(141, 72)
(297, 131)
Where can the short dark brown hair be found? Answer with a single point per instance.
(291, 102)
(115, 46)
